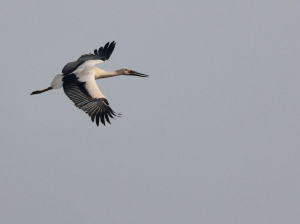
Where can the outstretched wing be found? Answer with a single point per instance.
(85, 95)
(103, 54)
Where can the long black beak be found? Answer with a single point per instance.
(134, 73)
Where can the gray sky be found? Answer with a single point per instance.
(211, 137)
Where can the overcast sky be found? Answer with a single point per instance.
(212, 136)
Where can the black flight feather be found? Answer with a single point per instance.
(95, 107)
(102, 54)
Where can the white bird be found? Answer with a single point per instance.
(79, 83)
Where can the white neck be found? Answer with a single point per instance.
(104, 74)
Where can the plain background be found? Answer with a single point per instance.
(211, 137)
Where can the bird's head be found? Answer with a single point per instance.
(126, 71)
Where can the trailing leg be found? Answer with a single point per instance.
(41, 91)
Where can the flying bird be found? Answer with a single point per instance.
(78, 80)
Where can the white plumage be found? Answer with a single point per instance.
(57, 82)
(79, 83)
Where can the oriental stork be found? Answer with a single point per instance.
(78, 80)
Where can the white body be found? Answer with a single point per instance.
(88, 73)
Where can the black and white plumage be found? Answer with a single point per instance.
(79, 83)
(102, 54)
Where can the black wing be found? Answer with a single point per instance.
(96, 108)
(103, 53)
